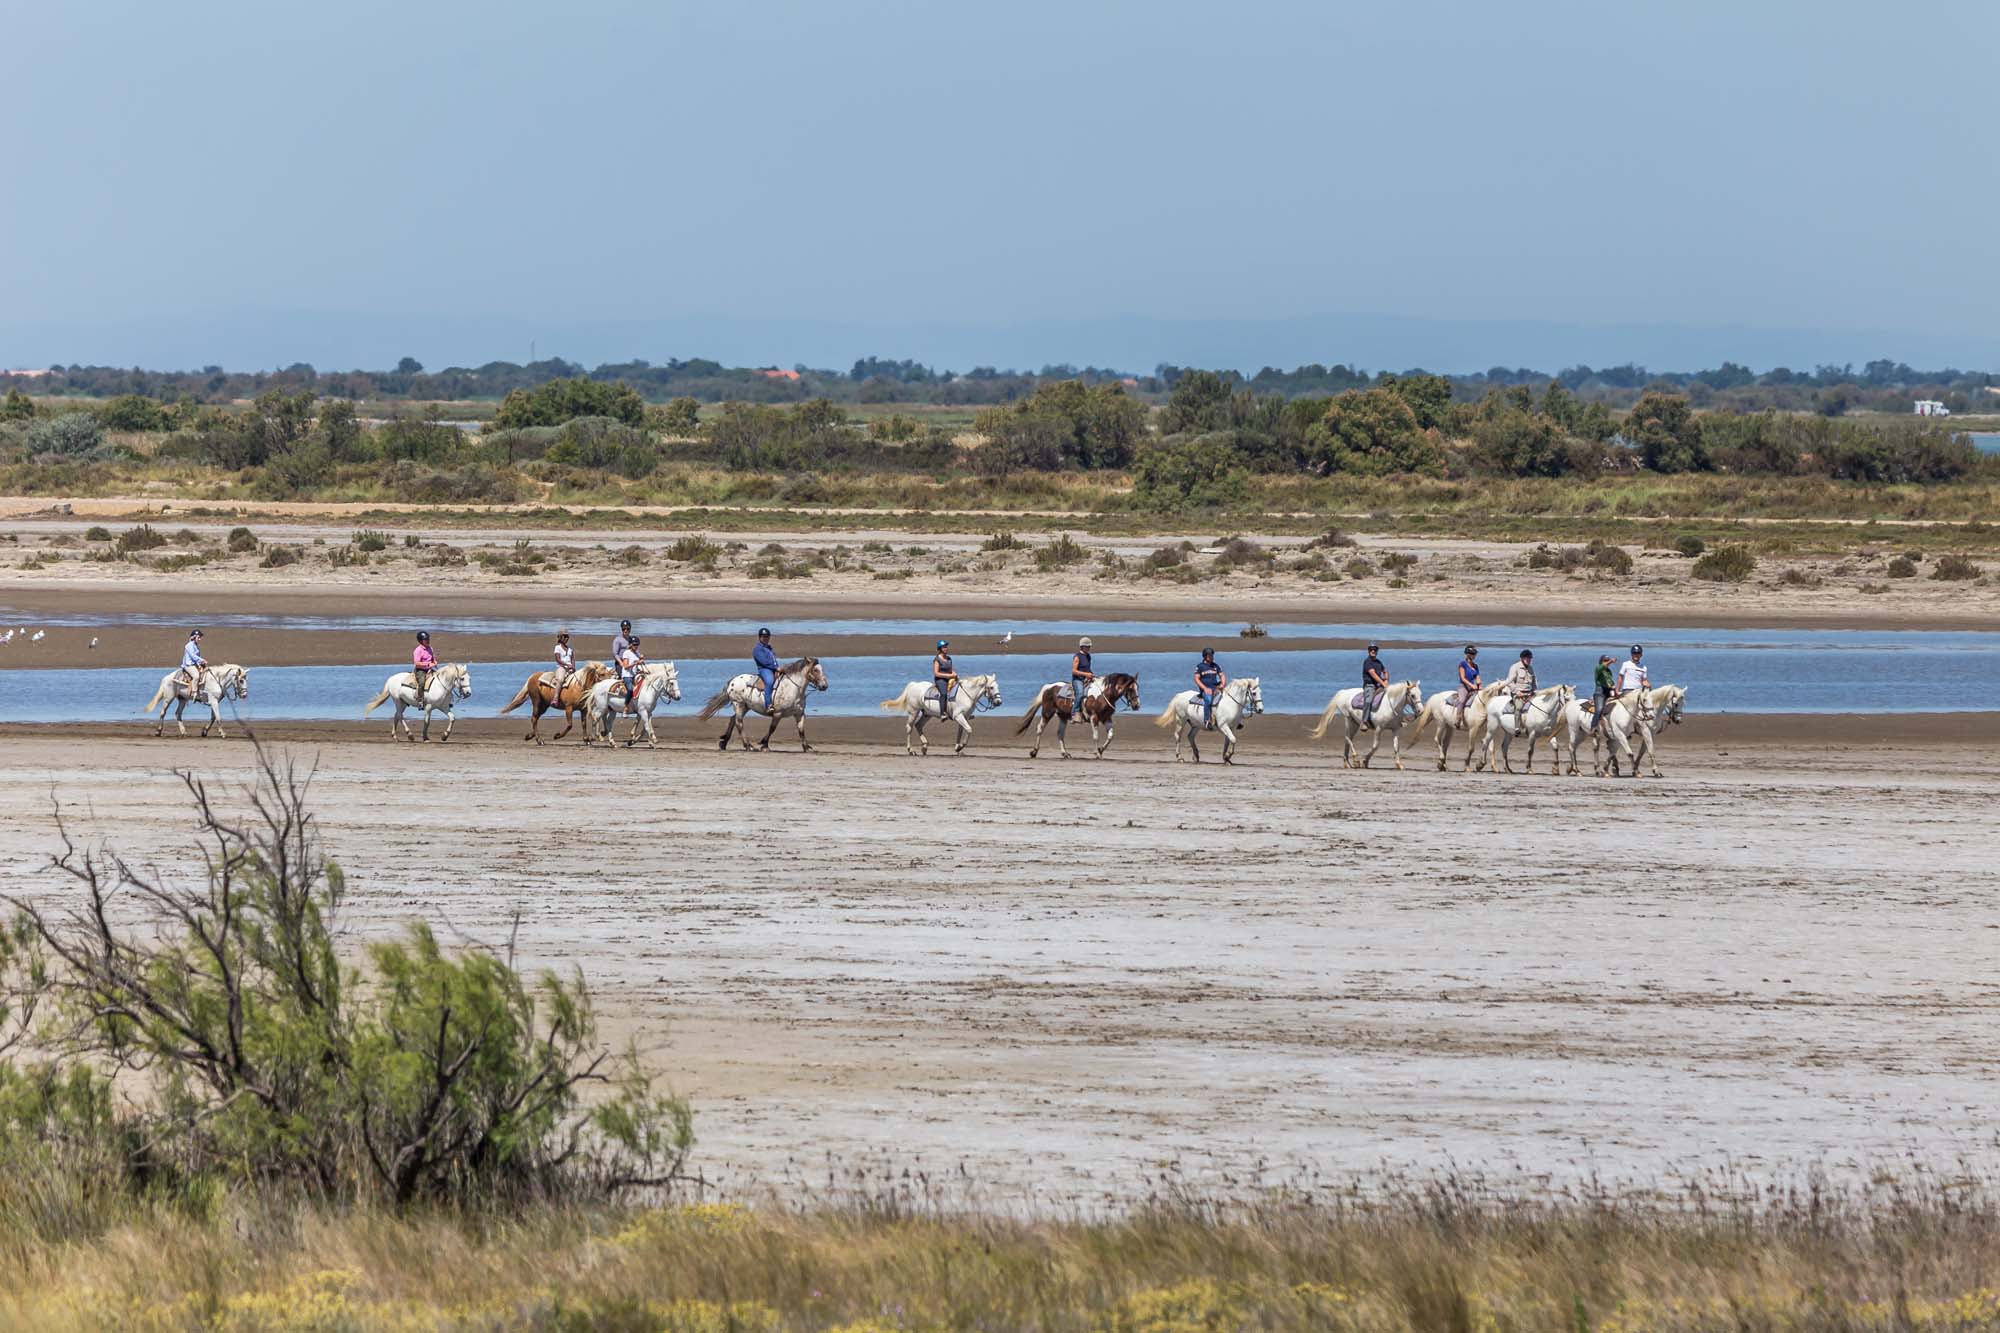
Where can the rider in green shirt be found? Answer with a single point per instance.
(1601, 691)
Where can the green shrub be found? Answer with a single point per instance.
(370, 541)
(563, 400)
(1330, 538)
(242, 540)
(97, 533)
(1953, 568)
(1794, 577)
(133, 412)
(1689, 545)
(693, 549)
(1167, 557)
(1902, 567)
(1064, 550)
(75, 436)
(277, 557)
(1726, 564)
(252, 1043)
(1608, 557)
(1358, 568)
(141, 538)
(1002, 541)
(1202, 473)
(1398, 562)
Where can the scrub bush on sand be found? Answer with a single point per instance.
(226, 1044)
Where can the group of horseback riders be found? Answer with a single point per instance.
(1521, 686)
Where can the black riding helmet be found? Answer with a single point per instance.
(1207, 653)
(423, 636)
(1374, 647)
(1637, 651)
(764, 633)
(194, 634)
(1527, 654)
(1472, 650)
(624, 624)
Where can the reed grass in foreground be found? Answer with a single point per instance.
(1916, 1252)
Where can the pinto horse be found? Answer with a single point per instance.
(540, 691)
(1099, 707)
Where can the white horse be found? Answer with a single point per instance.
(1241, 699)
(448, 684)
(919, 703)
(1441, 711)
(225, 680)
(1542, 716)
(1401, 701)
(788, 699)
(1663, 704)
(600, 715)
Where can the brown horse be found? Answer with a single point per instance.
(1100, 709)
(575, 696)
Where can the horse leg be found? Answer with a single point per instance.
(1110, 728)
(1062, 735)
(1035, 746)
(964, 733)
(1194, 745)
(769, 732)
(1396, 746)
(805, 746)
(1228, 743)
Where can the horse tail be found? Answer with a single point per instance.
(1027, 718)
(1326, 718)
(714, 704)
(1424, 720)
(520, 698)
(896, 704)
(166, 690)
(376, 703)
(1165, 719)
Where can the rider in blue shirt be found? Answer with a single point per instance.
(192, 662)
(943, 676)
(1374, 680)
(1209, 680)
(767, 665)
(1080, 676)
(1468, 681)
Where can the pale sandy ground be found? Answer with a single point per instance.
(1060, 977)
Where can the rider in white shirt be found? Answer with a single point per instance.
(565, 660)
(1521, 689)
(1632, 676)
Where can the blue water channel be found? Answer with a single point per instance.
(1753, 671)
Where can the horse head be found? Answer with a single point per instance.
(461, 679)
(669, 679)
(1413, 698)
(815, 674)
(1676, 696)
(241, 685)
(989, 692)
(1129, 692)
(1252, 697)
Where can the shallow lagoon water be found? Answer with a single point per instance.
(1748, 671)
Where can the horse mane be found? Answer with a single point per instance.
(802, 664)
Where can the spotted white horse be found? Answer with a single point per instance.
(745, 694)
(1241, 700)
(600, 717)
(447, 685)
(225, 680)
(919, 703)
(1401, 701)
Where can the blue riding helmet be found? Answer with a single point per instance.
(944, 643)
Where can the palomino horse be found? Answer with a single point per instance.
(1663, 705)
(225, 680)
(1099, 707)
(788, 699)
(1542, 716)
(601, 713)
(1441, 711)
(540, 690)
(1241, 700)
(1401, 701)
(448, 684)
(919, 704)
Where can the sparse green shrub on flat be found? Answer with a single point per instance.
(1726, 564)
(242, 540)
(277, 557)
(1954, 568)
(1689, 545)
(141, 538)
(1902, 567)
(1063, 551)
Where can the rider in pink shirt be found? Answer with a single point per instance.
(424, 661)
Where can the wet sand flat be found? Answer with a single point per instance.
(1064, 974)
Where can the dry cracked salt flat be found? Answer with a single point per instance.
(1058, 977)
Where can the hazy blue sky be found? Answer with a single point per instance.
(1449, 183)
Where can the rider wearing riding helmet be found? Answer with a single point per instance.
(943, 677)
(423, 662)
(1632, 678)
(1374, 682)
(1209, 681)
(621, 641)
(1080, 675)
(766, 661)
(1521, 685)
(192, 662)
(628, 672)
(1468, 681)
